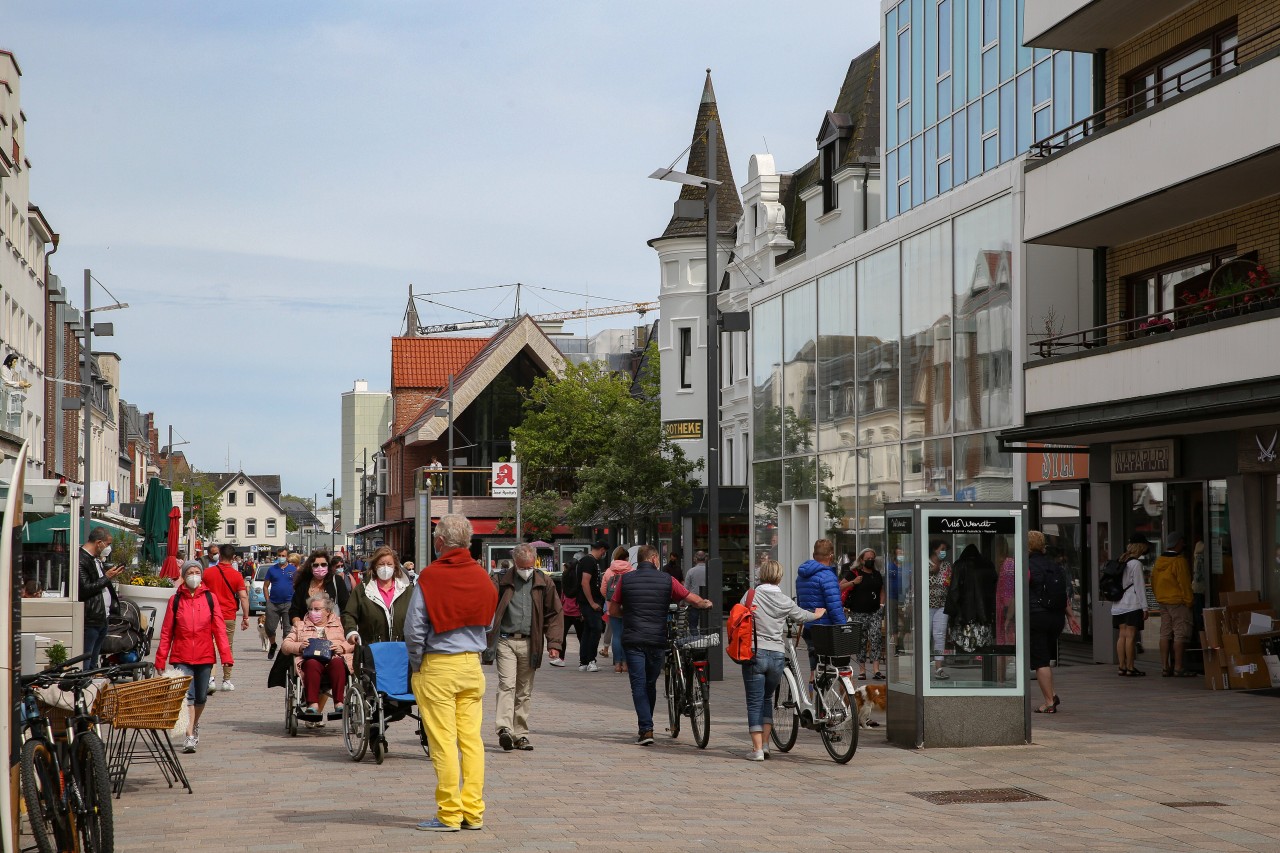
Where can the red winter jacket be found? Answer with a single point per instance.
(199, 630)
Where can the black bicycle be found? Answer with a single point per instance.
(65, 782)
(685, 674)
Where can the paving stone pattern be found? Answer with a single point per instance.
(1119, 751)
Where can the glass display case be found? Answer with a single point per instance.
(957, 630)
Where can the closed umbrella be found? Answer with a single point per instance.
(155, 520)
(170, 567)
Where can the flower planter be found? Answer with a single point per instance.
(147, 596)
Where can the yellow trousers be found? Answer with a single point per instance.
(450, 694)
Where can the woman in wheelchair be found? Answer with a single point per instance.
(320, 649)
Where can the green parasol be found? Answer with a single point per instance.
(155, 521)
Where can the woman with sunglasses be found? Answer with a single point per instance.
(316, 575)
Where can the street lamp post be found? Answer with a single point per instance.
(86, 385)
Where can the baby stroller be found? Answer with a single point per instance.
(378, 693)
(129, 632)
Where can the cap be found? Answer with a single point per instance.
(1171, 541)
(600, 543)
(182, 572)
(1139, 539)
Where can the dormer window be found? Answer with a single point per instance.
(833, 143)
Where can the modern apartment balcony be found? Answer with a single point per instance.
(1087, 25)
(1204, 359)
(1210, 145)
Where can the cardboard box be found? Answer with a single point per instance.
(1250, 672)
(1246, 596)
(1273, 667)
(1215, 670)
(1234, 624)
(1261, 623)
(1246, 644)
(1214, 620)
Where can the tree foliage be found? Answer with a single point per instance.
(199, 490)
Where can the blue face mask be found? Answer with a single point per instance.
(942, 555)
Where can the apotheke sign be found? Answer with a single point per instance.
(685, 430)
(1144, 460)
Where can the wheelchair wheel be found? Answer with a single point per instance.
(355, 723)
(379, 748)
(290, 717)
(292, 697)
(422, 740)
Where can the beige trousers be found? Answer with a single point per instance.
(515, 686)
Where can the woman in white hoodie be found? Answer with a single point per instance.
(771, 607)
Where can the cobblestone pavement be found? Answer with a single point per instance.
(1119, 750)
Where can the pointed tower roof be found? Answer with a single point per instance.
(728, 204)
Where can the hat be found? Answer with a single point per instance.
(1171, 541)
(182, 572)
(1139, 539)
(600, 543)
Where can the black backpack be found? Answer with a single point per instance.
(1055, 588)
(1111, 581)
(571, 580)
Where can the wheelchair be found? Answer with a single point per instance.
(378, 693)
(295, 702)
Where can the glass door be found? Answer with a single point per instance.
(1060, 514)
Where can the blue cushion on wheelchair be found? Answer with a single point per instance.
(392, 663)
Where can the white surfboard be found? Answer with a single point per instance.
(9, 649)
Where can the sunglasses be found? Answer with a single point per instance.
(319, 565)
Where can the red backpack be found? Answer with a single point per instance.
(742, 630)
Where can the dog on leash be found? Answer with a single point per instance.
(869, 696)
(262, 632)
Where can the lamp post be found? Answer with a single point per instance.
(333, 516)
(168, 452)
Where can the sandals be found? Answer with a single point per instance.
(1046, 709)
(1056, 700)
(1132, 672)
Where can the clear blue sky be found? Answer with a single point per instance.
(262, 181)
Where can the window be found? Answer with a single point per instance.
(1190, 65)
(231, 498)
(686, 357)
(249, 498)
(944, 37)
(831, 155)
(231, 527)
(251, 527)
(271, 527)
(1163, 289)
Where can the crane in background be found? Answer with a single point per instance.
(413, 327)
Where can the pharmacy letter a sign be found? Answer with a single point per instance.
(506, 479)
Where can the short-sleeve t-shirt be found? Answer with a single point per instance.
(280, 576)
(589, 568)
(226, 584)
(678, 592)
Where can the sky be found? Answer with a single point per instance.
(262, 181)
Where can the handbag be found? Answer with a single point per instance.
(318, 648)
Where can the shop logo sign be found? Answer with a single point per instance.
(1267, 454)
(1258, 450)
(1143, 460)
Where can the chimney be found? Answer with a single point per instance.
(361, 385)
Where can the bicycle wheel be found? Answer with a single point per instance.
(355, 724)
(786, 723)
(675, 701)
(43, 793)
(840, 728)
(93, 816)
(700, 710)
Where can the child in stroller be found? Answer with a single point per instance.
(129, 632)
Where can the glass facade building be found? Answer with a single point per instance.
(963, 95)
(886, 379)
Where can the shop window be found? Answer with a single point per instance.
(1188, 66)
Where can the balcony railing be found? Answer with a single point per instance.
(12, 404)
(1196, 310)
(1167, 89)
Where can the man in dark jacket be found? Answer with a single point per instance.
(590, 570)
(641, 600)
(96, 591)
(528, 615)
(818, 586)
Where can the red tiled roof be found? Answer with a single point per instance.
(427, 362)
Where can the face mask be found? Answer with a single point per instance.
(106, 552)
(942, 555)
(213, 558)
(193, 580)
(869, 562)
(386, 573)
(280, 561)
(317, 616)
(525, 573)
(898, 556)
(319, 571)
(342, 570)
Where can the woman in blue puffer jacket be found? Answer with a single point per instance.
(818, 586)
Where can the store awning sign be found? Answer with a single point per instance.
(1051, 465)
(972, 524)
(1258, 449)
(1144, 460)
(683, 430)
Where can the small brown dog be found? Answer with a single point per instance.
(868, 696)
(262, 631)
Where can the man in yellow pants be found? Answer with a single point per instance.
(445, 630)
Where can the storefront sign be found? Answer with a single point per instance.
(1258, 449)
(506, 479)
(1144, 460)
(972, 524)
(687, 430)
(1051, 465)
(900, 524)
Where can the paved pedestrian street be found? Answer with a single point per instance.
(1108, 763)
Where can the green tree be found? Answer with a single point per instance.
(309, 503)
(199, 490)
(540, 514)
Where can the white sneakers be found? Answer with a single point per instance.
(757, 755)
(213, 684)
(557, 661)
(228, 686)
(590, 667)
(189, 745)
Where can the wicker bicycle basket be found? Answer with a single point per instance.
(151, 704)
(59, 717)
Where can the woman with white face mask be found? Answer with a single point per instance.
(191, 630)
(376, 610)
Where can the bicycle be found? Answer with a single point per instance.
(685, 675)
(831, 711)
(64, 776)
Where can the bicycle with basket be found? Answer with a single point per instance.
(686, 675)
(826, 705)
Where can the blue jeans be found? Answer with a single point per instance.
(644, 665)
(761, 678)
(93, 637)
(198, 692)
(615, 642)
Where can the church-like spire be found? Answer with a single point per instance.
(728, 205)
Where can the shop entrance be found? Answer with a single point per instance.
(1061, 513)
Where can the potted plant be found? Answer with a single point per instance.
(1156, 326)
(56, 654)
(143, 586)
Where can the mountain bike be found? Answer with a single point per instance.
(826, 705)
(685, 674)
(64, 777)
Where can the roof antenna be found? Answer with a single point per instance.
(766, 145)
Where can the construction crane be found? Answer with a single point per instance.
(414, 327)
